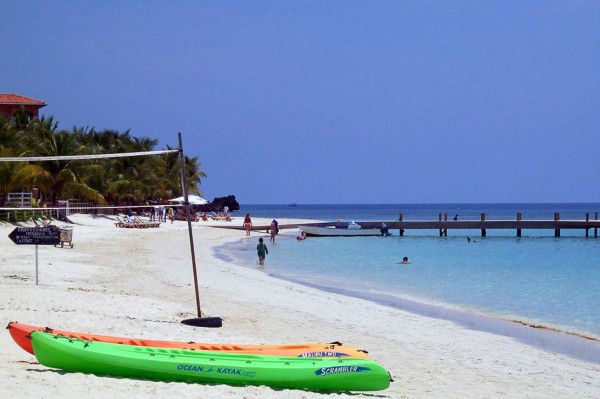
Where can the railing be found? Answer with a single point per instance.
(84, 207)
(14, 212)
(22, 199)
(73, 207)
(17, 214)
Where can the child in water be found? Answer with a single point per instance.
(262, 251)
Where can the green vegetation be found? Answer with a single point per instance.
(117, 181)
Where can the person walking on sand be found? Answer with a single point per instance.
(171, 214)
(262, 251)
(273, 231)
(247, 224)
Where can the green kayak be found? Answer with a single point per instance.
(329, 374)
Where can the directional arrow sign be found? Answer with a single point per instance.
(49, 235)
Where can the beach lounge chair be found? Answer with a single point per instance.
(226, 218)
(135, 223)
(119, 222)
(123, 223)
(139, 223)
(44, 222)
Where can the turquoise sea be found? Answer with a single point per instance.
(535, 279)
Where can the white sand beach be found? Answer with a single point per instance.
(138, 282)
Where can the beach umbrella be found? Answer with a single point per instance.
(193, 200)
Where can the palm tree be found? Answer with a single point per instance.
(36, 133)
(61, 178)
(172, 177)
(10, 136)
(131, 179)
(21, 119)
(194, 174)
(16, 175)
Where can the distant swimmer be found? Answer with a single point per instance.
(404, 261)
(302, 236)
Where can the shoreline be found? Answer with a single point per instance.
(578, 345)
(139, 283)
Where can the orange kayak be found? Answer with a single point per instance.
(20, 334)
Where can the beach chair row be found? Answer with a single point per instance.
(135, 223)
(215, 216)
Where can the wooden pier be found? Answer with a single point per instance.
(442, 225)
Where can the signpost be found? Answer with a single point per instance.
(49, 235)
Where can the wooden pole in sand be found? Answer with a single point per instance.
(200, 321)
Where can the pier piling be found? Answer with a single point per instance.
(483, 231)
(443, 232)
(401, 219)
(587, 219)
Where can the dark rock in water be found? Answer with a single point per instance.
(218, 204)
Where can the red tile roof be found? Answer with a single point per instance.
(8, 98)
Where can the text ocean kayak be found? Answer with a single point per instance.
(20, 332)
(162, 364)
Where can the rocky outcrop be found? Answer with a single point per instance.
(218, 204)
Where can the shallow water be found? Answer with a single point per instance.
(537, 279)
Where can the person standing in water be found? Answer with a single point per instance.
(273, 230)
(262, 251)
(248, 224)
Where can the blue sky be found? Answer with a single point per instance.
(331, 101)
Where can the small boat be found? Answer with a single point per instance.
(20, 334)
(351, 229)
(293, 204)
(160, 364)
